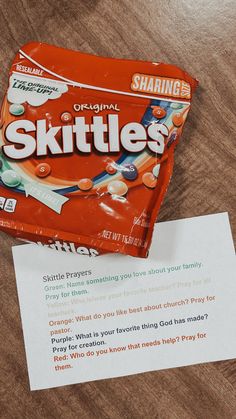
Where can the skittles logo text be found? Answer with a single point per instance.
(105, 136)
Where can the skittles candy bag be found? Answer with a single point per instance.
(87, 148)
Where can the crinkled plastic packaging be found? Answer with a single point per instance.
(87, 148)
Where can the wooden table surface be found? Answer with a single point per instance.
(199, 36)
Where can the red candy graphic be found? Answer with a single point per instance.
(43, 170)
(177, 119)
(85, 184)
(66, 117)
(110, 168)
(149, 180)
(158, 112)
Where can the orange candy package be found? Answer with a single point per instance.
(87, 148)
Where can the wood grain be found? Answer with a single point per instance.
(200, 37)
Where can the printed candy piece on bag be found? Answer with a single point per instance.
(149, 180)
(158, 112)
(86, 146)
(111, 169)
(85, 184)
(16, 110)
(66, 117)
(176, 105)
(117, 187)
(43, 170)
(11, 179)
(178, 119)
(129, 171)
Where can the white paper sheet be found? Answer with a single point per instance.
(90, 318)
